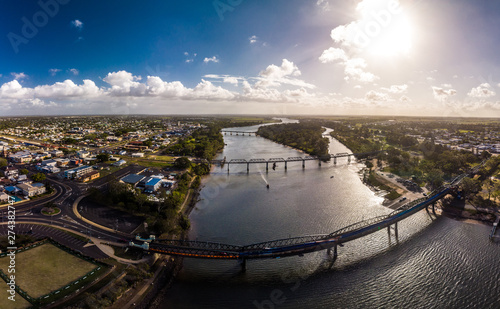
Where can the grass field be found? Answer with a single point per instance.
(46, 268)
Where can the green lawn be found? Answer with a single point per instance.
(46, 268)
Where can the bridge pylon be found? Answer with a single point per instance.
(335, 254)
(243, 264)
(395, 228)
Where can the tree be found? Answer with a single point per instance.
(470, 186)
(38, 177)
(182, 163)
(102, 157)
(24, 171)
(435, 178)
(3, 162)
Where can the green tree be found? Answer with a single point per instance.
(182, 163)
(38, 177)
(3, 162)
(435, 178)
(470, 186)
(24, 171)
(102, 157)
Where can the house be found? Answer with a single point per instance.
(133, 179)
(138, 155)
(3, 197)
(50, 162)
(122, 153)
(91, 176)
(75, 161)
(12, 190)
(152, 184)
(10, 172)
(77, 172)
(32, 189)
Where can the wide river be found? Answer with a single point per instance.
(436, 263)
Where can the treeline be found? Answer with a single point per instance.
(306, 136)
(203, 143)
(206, 142)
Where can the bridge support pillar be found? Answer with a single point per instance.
(303, 163)
(285, 165)
(228, 167)
(243, 264)
(348, 159)
(319, 162)
(267, 166)
(335, 160)
(396, 230)
(434, 209)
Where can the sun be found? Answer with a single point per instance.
(397, 38)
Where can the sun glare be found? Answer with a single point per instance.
(395, 39)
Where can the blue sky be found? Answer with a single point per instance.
(413, 57)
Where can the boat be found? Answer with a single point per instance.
(331, 177)
(267, 186)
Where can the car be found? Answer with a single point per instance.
(403, 199)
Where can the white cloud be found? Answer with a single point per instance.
(274, 76)
(77, 24)
(430, 79)
(376, 96)
(53, 72)
(74, 71)
(446, 86)
(253, 39)
(231, 80)
(18, 76)
(324, 5)
(482, 91)
(212, 59)
(190, 59)
(333, 54)
(354, 69)
(67, 89)
(397, 89)
(443, 95)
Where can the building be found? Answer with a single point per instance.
(152, 184)
(10, 172)
(83, 154)
(91, 176)
(3, 197)
(133, 179)
(138, 155)
(47, 163)
(120, 163)
(62, 162)
(32, 189)
(57, 153)
(78, 172)
(122, 153)
(21, 157)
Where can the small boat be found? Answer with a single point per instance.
(267, 186)
(331, 177)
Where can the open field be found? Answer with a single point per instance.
(20, 302)
(46, 268)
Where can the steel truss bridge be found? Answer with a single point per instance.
(303, 244)
(274, 161)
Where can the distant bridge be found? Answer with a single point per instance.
(239, 132)
(303, 244)
(273, 161)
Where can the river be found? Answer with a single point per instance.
(435, 263)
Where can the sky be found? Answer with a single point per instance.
(278, 57)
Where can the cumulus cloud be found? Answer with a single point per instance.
(443, 95)
(212, 59)
(253, 39)
(375, 96)
(332, 55)
(77, 24)
(482, 91)
(18, 76)
(74, 71)
(274, 76)
(397, 89)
